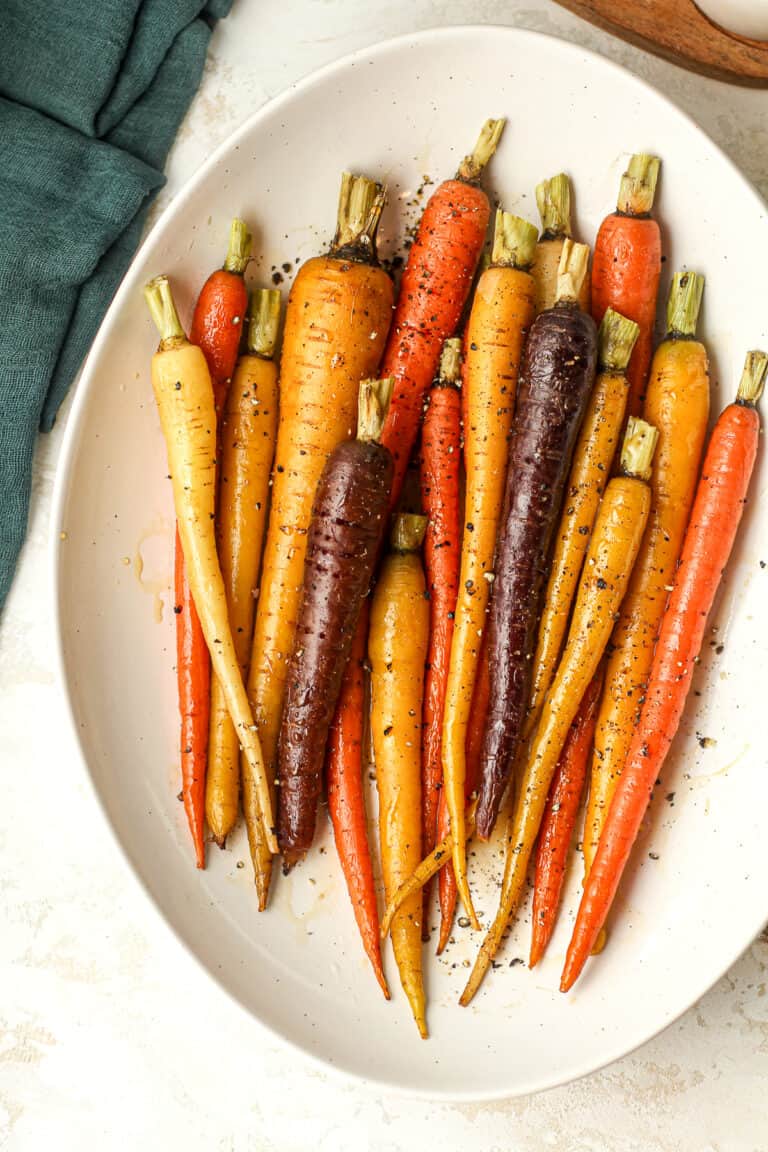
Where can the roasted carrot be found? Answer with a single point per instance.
(336, 324)
(616, 537)
(600, 434)
(440, 464)
(246, 447)
(502, 310)
(423, 873)
(556, 378)
(220, 311)
(343, 542)
(558, 821)
(346, 800)
(553, 198)
(677, 404)
(397, 648)
(626, 266)
(216, 328)
(447, 891)
(717, 510)
(193, 678)
(185, 402)
(436, 281)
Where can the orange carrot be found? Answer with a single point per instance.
(559, 819)
(440, 461)
(216, 329)
(193, 675)
(626, 265)
(346, 802)
(717, 510)
(435, 285)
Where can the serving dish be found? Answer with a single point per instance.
(404, 111)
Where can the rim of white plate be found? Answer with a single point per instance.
(61, 485)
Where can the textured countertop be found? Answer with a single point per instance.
(111, 1037)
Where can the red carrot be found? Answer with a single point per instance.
(715, 517)
(559, 819)
(440, 459)
(435, 285)
(626, 266)
(346, 802)
(216, 328)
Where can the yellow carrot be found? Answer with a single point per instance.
(184, 396)
(677, 404)
(591, 468)
(618, 530)
(553, 198)
(502, 311)
(247, 444)
(397, 647)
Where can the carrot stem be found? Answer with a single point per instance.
(752, 378)
(638, 449)
(361, 201)
(372, 408)
(264, 323)
(553, 198)
(239, 248)
(638, 185)
(615, 340)
(572, 270)
(162, 308)
(514, 241)
(684, 304)
(472, 166)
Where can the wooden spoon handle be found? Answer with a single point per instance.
(680, 32)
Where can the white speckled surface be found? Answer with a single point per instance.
(97, 1046)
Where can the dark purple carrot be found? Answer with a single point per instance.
(344, 539)
(557, 376)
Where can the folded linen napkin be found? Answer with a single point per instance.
(92, 93)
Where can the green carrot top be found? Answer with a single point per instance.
(638, 185)
(553, 197)
(514, 241)
(684, 304)
(615, 341)
(752, 378)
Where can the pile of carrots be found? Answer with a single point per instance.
(527, 632)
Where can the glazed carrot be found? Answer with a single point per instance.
(558, 821)
(184, 396)
(556, 379)
(346, 801)
(600, 434)
(616, 537)
(447, 891)
(502, 310)
(715, 517)
(553, 198)
(246, 447)
(626, 265)
(220, 311)
(193, 678)
(436, 281)
(343, 542)
(440, 464)
(397, 648)
(216, 329)
(336, 324)
(677, 404)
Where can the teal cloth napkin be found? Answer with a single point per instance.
(92, 93)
